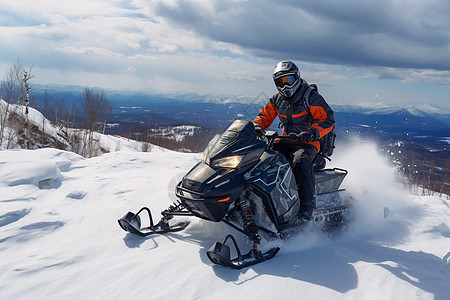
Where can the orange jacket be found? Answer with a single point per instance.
(294, 117)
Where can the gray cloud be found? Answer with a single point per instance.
(400, 34)
(217, 46)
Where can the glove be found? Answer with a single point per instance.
(259, 131)
(307, 136)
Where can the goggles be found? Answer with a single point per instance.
(285, 80)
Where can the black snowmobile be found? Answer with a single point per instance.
(247, 185)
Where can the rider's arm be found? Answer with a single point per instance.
(322, 114)
(266, 115)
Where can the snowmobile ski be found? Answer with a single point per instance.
(131, 222)
(219, 254)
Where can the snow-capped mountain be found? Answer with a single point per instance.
(169, 109)
(385, 109)
(390, 117)
(433, 109)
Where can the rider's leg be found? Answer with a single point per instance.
(301, 161)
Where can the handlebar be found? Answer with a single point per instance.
(272, 135)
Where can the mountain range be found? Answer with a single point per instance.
(421, 131)
(203, 109)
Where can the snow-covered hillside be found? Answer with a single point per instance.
(59, 236)
(42, 133)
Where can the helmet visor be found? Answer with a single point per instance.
(285, 80)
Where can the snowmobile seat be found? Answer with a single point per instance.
(329, 180)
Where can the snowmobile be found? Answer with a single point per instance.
(247, 185)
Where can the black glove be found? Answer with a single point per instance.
(307, 136)
(259, 132)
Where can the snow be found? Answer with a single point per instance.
(446, 140)
(416, 112)
(34, 117)
(60, 239)
(372, 105)
(59, 236)
(432, 109)
(178, 133)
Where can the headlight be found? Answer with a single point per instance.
(227, 162)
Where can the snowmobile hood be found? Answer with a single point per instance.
(238, 140)
(239, 144)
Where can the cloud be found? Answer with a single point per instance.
(427, 76)
(90, 51)
(386, 33)
(392, 33)
(244, 76)
(230, 47)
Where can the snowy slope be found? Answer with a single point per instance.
(35, 119)
(59, 237)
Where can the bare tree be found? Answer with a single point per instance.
(97, 109)
(146, 146)
(4, 109)
(25, 87)
(13, 89)
(444, 187)
(46, 105)
(9, 92)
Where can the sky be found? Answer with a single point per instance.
(391, 51)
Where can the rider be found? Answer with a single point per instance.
(306, 125)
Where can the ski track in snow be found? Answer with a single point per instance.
(59, 237)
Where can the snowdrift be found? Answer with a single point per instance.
(59, 237)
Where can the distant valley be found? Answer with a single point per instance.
(423, 128)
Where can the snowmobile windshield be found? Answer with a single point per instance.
(235, 148)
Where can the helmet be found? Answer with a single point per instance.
(286, 76)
